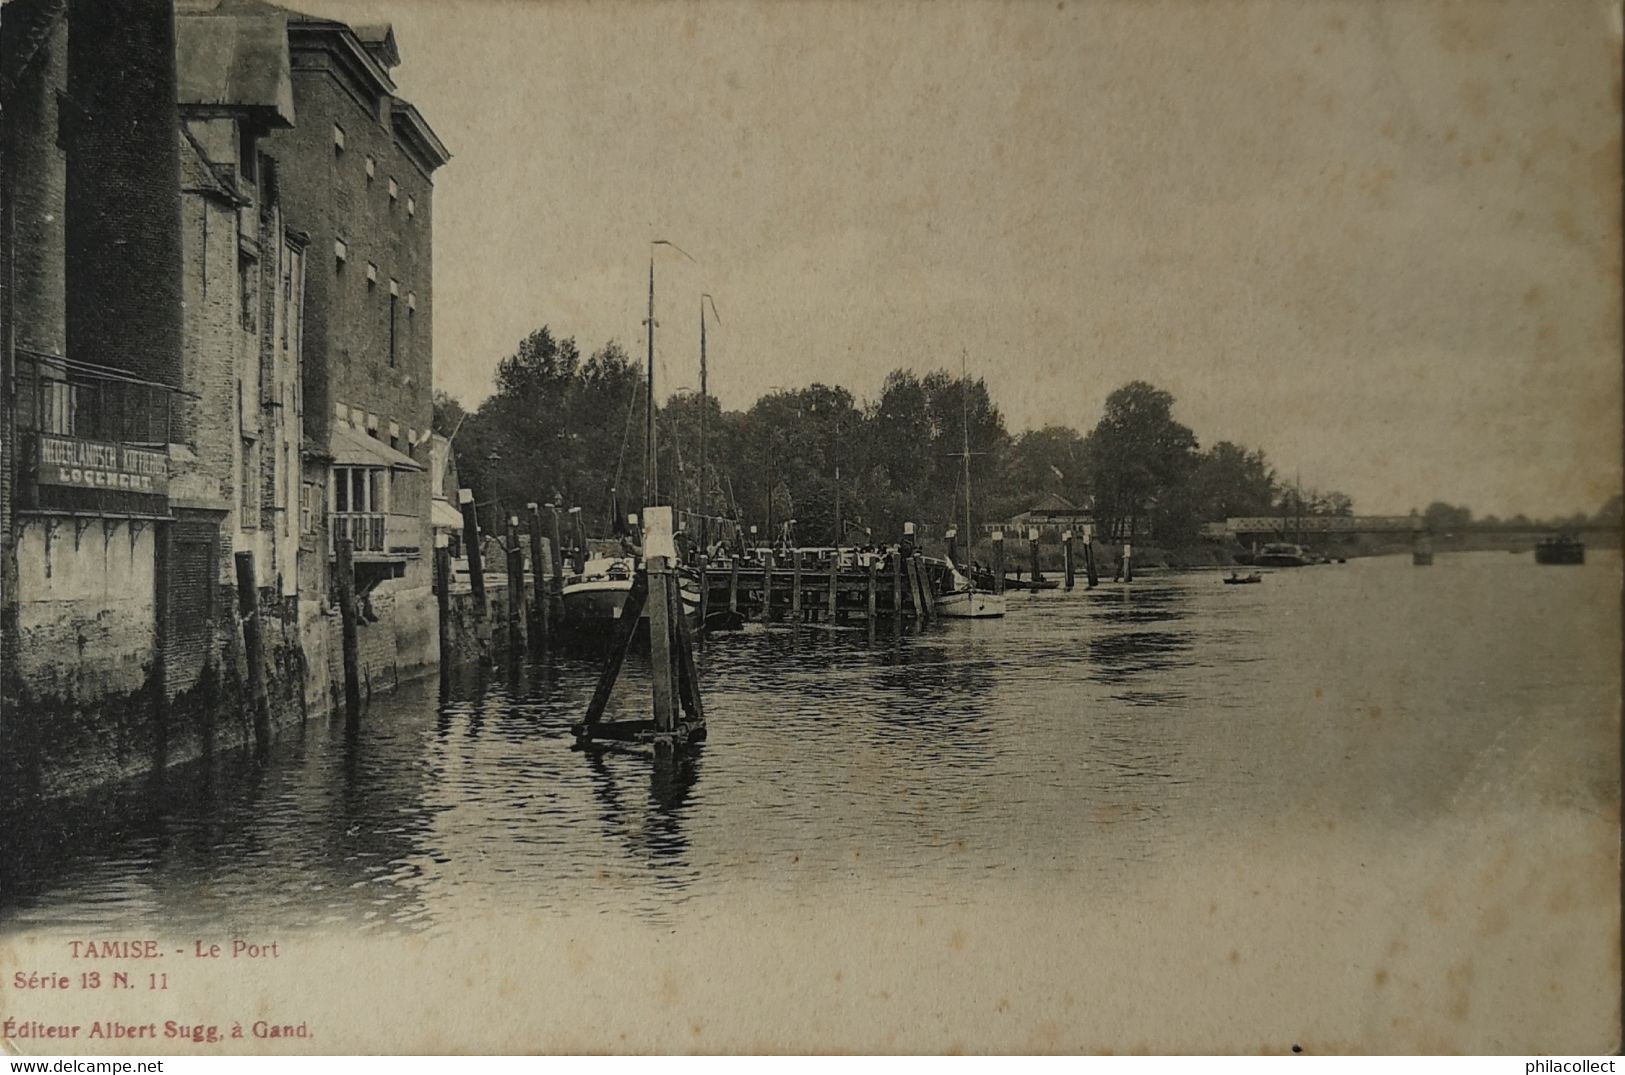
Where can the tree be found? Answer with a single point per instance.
(448, 414)
(1040, 462)
(1137, 452)
(1441, 517)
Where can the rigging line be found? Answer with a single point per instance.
(626, 434)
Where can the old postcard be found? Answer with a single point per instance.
(727, 527)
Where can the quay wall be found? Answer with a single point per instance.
(112, 681)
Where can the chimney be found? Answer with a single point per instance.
(123, 188)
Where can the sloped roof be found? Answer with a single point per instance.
(354, 448)
(239, 63)
(1054, 502)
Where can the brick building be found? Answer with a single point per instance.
(356, 175)
(238, 467)
(91, 260)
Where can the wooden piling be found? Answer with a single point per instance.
(538, 571)
(874, 570)
(795, 586)
(928, 588)
(834, 584)
(1032, 543)
(516, 590)
(704, 564)
(897, 582)
(660, 582)
(344, 587)
(476, 569)
(1089, 566)
(248, 603)
(1066, 552)
(998, 561)
(767, 586)
(733, 584)
(442, 596)
(558, 546)
(1128, 562)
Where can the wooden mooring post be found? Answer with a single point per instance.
(1089, 567)
(516, 591)
(248, 604)
(834, 584)
(767, 586)
(442, 599)
(874, 571)
(476, 570)
(998, 561)
(538, 572)
(678, 714)
(558, 547)
(344, 585)
(795, 586)
(1128, 562)
(897, 582)
(1066, 552)
(1032, 542)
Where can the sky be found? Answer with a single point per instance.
(1380, 241)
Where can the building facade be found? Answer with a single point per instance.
(356, 175)
(214, 302)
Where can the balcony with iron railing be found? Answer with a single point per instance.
(77, 399)
(95, 439)
(376, 535)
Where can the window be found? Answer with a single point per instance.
(341, 253)
(394, 300)
(371, 167)
(338, 140)
(248, 291)
(246, 158)
(394, 190)
(372, 275)
(247, 488)
(411, 206)
(307, 507)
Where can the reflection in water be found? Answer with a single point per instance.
(1081, 740)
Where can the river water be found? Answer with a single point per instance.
(1338, 767)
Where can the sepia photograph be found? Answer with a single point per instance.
(820, 527)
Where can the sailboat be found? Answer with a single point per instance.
(959, 598)
(594, 597)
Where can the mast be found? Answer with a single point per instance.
(705, 499)
(964, 428)
(651, 462)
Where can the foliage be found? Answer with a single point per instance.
(562, 428)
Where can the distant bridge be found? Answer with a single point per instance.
(1283, 527)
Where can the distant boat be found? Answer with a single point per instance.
(1560, 549)
(959, 599)
(1243, 580)
(1282, 554)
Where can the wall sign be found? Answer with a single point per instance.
(90, 464)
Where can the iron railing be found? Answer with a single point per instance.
(76, 399)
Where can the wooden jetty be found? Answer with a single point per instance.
(815, 586)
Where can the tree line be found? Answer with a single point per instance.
(567, 428)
